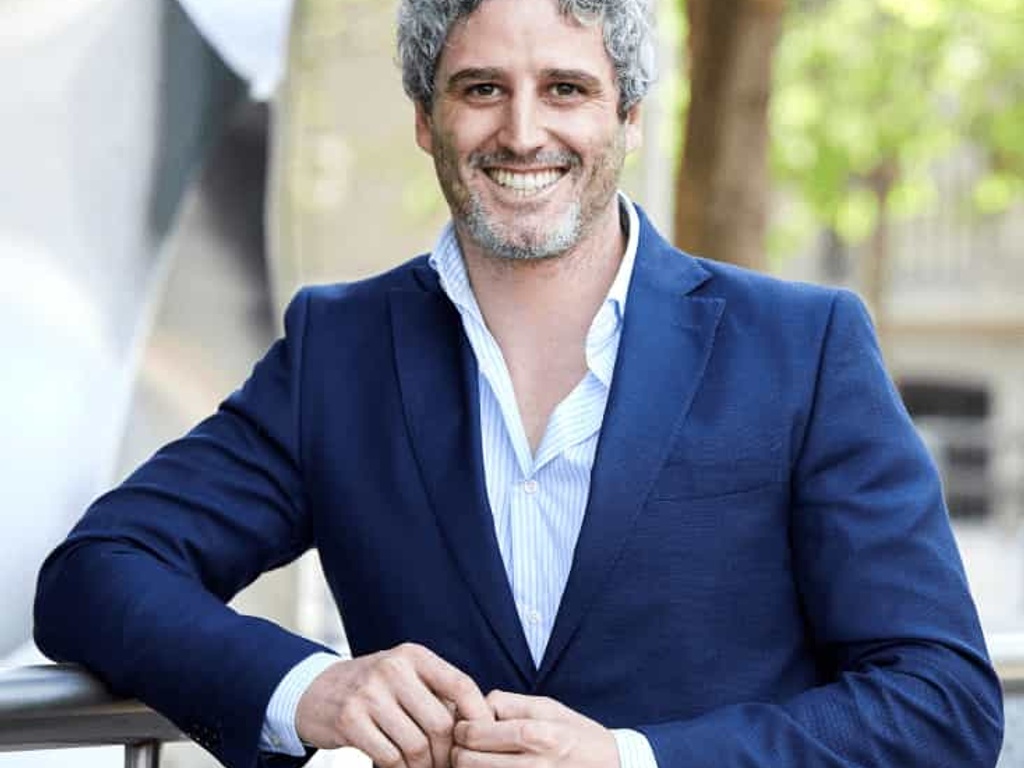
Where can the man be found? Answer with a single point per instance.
(583, 500)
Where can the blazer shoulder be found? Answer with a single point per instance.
(738, 286)
(733, 280)
(415, 274)
(356, 307)
(749, 292)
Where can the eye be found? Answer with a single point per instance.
(482, 91)
(565, 90)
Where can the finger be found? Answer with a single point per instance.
(505, 736)
(516, 706)
(435, 718)
(468, 758)
(400, 675)
(406, 735)
(452, 684)
(364, 735)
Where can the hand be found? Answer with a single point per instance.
(397, 706)
(533, 732)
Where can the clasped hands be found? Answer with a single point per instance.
(408, 708)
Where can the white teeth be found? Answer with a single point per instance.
(525, 183)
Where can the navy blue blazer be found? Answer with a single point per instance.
(765, 576)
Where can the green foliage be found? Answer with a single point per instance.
(997, 191)
(862, 84)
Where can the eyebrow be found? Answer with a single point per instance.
(472, 75)
(574, 76)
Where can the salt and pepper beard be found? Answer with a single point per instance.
(496, 241)
(471, 216)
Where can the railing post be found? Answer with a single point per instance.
(143, 755)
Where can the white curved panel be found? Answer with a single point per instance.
(63, 397)
(251, 36)
(79, 103)
(28, 20)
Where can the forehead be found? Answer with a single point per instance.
(523, 36)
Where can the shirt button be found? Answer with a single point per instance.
(533, 616)
(530, 487)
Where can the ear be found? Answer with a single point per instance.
(424, 134)
(634, 129)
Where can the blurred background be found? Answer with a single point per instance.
(172, 170)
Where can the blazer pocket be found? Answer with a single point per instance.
(678, 481)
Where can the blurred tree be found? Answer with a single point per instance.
(722, 185)
(869, 94)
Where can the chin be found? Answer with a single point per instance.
(517, 240)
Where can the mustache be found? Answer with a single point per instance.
(509, 159)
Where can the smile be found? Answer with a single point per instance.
(525, 183)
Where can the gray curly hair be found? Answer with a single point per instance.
(424, 26)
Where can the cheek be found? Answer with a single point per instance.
(447, 149)
(470, 131)
(593, 141)
(605, 154)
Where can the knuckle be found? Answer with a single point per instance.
(465, 682)
(391, 665)
(391, 760)
(348, 715)
(370, 694)
(411, 651)
(537, 736)
(370, 679)
(440, 727)
(375, 704)
(463, 685)
(467, 734)
(418, 752)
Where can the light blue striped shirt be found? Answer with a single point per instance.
(538, 501)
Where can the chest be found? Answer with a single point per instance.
(539, 383)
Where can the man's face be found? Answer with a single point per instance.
(524, 129)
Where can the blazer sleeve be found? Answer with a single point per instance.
(907, 677)
(137, 592)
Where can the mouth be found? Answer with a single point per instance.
(526, 183)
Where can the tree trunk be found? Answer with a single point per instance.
(876, 268)
(722, 186)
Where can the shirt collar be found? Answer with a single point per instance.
(446, 259)
(620, 285)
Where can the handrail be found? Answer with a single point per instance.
(1007, 652)
(57, 705)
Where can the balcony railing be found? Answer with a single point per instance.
(54, 706)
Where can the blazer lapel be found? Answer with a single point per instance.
(666, 341)
(437, 375)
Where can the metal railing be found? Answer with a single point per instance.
(54, 706)
(1007, 652)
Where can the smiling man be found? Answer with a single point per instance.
(583, 500)
(528, 145)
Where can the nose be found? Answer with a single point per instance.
(523, 131)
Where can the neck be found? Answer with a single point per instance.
(540, 313)
(547, 300)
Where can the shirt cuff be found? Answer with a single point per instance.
(278, 734)
(634, 749)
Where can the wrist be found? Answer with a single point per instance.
(280, 727)
(633, 749)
